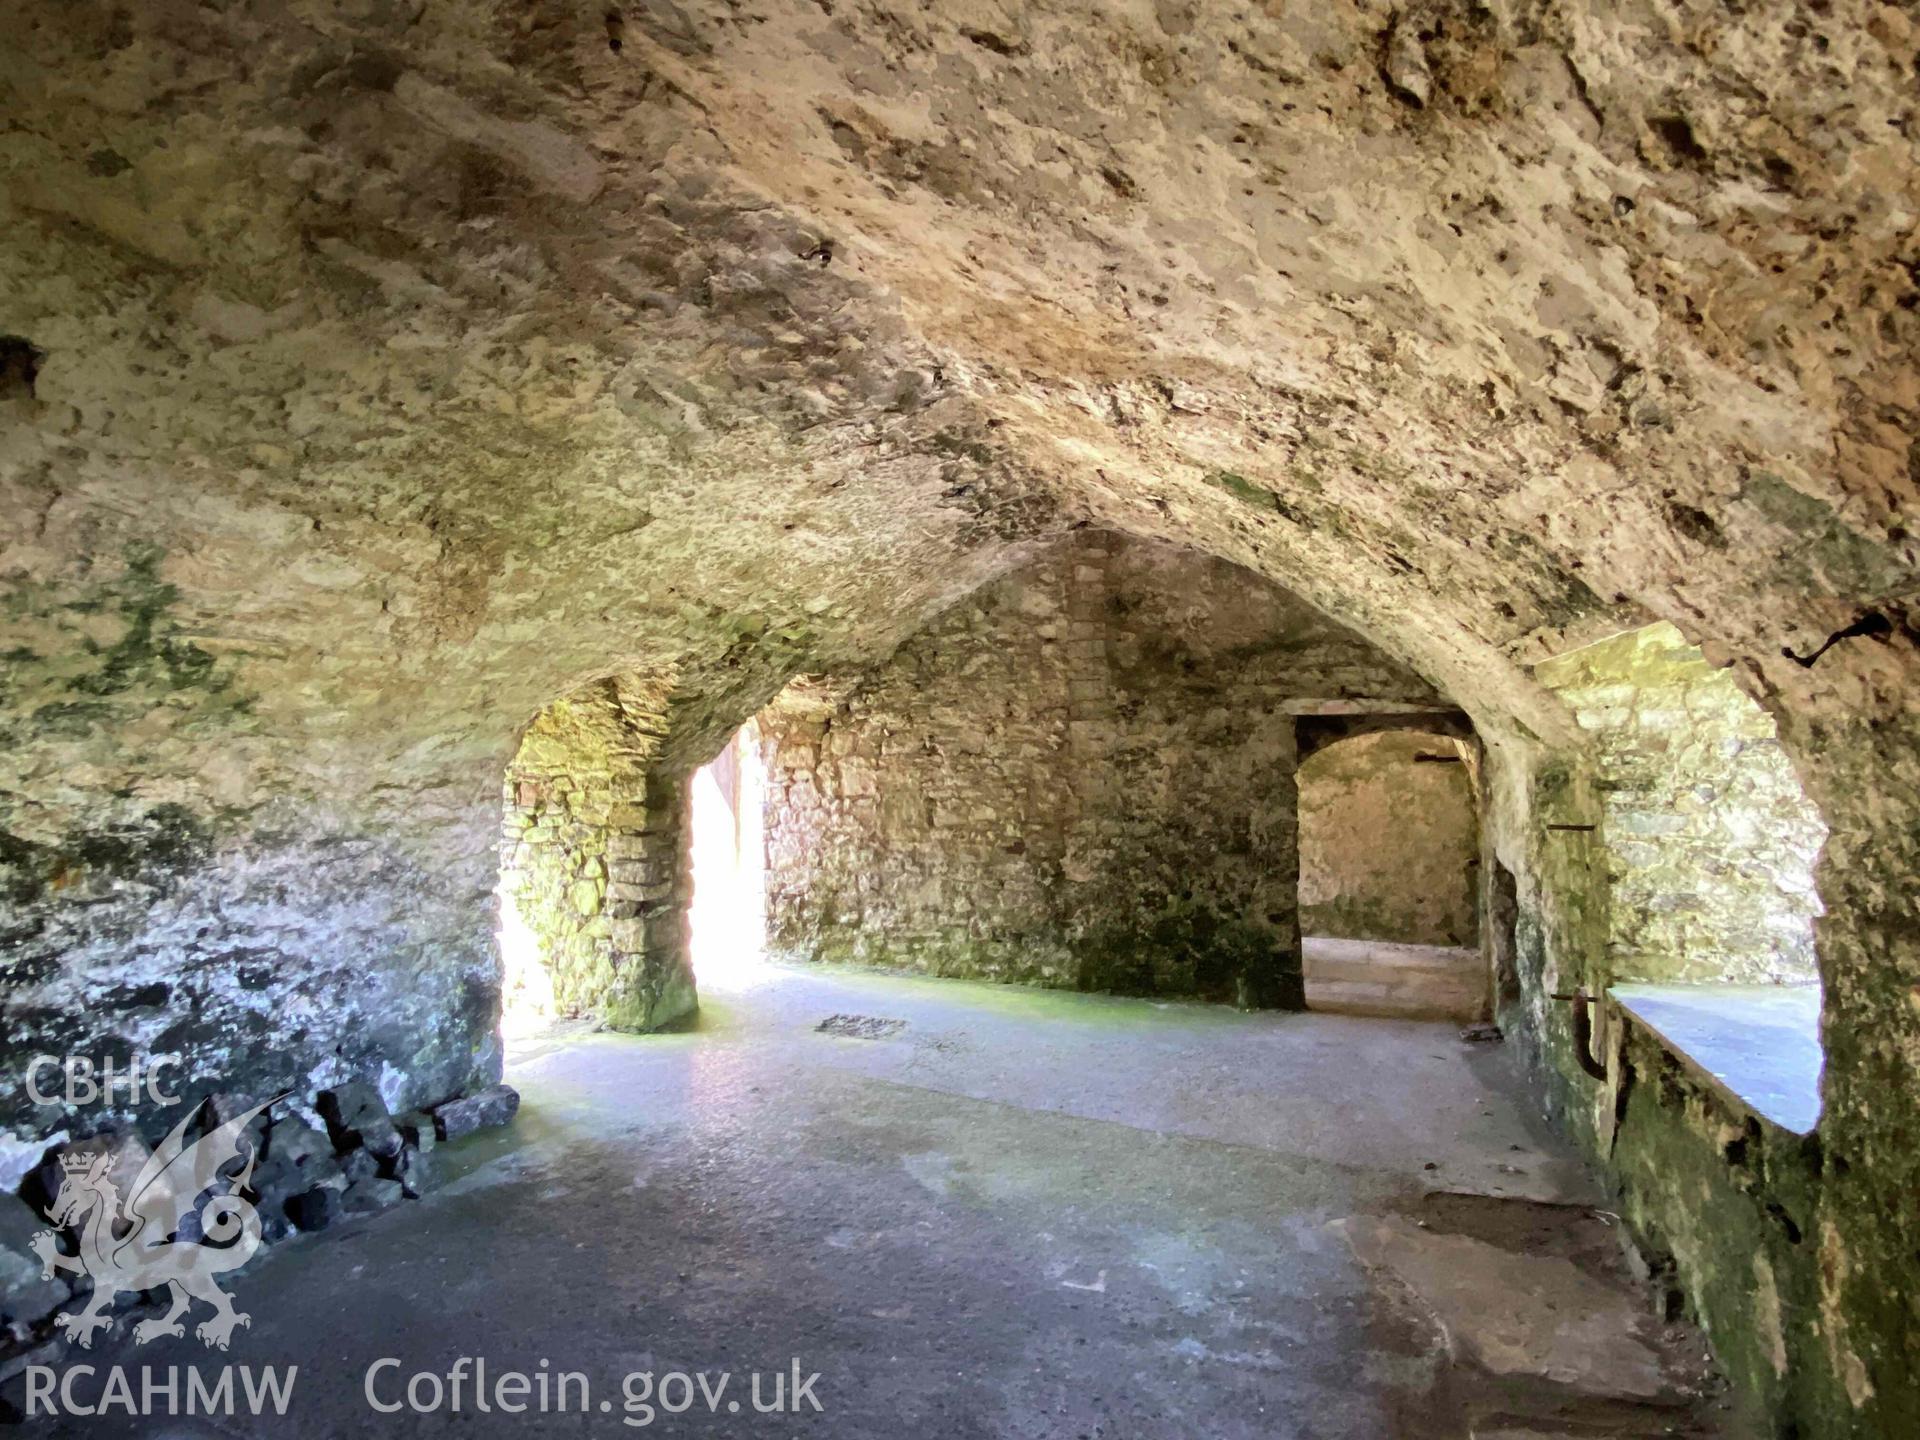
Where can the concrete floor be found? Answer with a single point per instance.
(1015, 1214)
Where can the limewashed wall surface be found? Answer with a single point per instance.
(1389, 847)
(1081, 777)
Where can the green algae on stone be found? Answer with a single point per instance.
(107, 652)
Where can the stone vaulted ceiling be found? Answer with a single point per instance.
(492, 346)
(374, 371)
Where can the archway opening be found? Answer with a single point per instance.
(1708, 845)
(1389, 877)
(594, 880)
(727, 915)
(526, 982)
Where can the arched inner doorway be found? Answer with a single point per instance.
(1389, 876)
(1389, 841)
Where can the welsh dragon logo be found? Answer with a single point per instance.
(184, 1224)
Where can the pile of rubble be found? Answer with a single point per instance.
(300, 1166)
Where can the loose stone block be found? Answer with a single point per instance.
(25, 1297)
(484, 1110)
(356, 1116)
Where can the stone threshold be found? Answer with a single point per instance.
(1383, 978)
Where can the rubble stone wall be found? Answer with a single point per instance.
(1081, 777)
(593, 857)
(1389, 843)
(1709, 842)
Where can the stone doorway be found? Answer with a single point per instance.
(727, 917)
(1389, 877)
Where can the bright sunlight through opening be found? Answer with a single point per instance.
(728, 914)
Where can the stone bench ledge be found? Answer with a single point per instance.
(1758, 1044)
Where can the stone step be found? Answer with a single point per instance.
(1402, 959)
(1351, 998)
(1365, 977)
(1465, 977)
(1447, 991)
